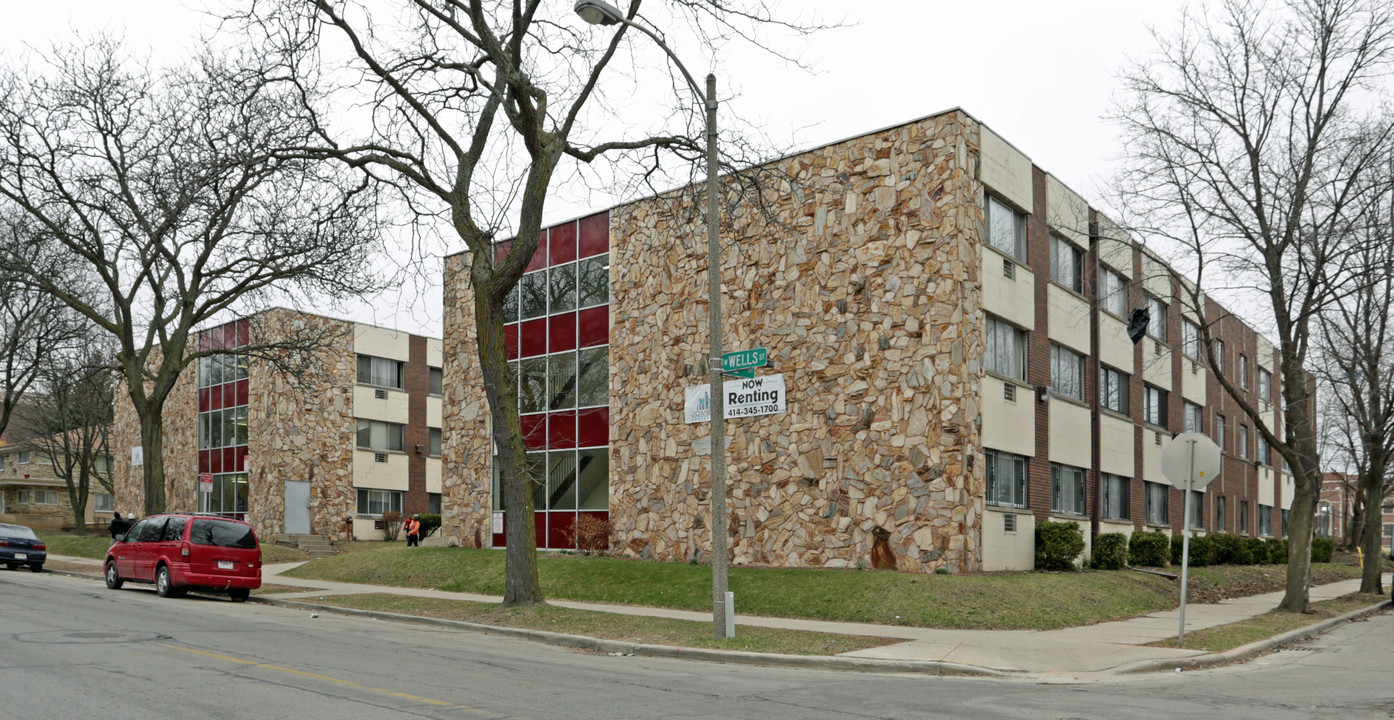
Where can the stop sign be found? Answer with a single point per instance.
(1204, 464)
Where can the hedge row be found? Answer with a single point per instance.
(1059, 544)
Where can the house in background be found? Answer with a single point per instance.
(32, 494)
(947, 326)
(328, 452)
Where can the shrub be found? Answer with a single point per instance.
(1277, 551)
(1229, 549)
(1057, 545)
(1148, 549)
(1258, 550)
(1110, 551)
(591, 535)
(391, 525)
(1202, 550)
(430, 522)
(1322, 549)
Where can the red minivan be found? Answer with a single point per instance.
(179, 552)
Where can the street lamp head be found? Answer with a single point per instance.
(598, 12)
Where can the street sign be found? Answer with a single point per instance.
(752, 397)
(742, 362)
(1206, 466)
(205, 482)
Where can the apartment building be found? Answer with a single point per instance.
(947, 324)
(32, 494)
(350, 437)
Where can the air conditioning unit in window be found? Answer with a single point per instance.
(380, 457)
(421, 450)
(380, 394)
(1009, 523)
(1008, 269)
(1009, 392)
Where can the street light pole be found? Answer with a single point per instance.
(598, 12)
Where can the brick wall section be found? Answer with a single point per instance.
(1136, 494)
(1176, 401)
(1092, 376)
(1038, 476)
(416, 376)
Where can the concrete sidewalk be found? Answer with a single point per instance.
(1069, 653)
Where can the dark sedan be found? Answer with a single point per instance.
(20, 546)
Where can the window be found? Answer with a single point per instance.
(435, 442)
(1197, 509)
(1389, 530)
(437, 378)
(1155, 502)
(593, 372)
(1265, 519)
(1067, 492)
(1190, 339)
(561, 288)
(103, 503)
(1066, 261)
(1157, 318)
(1115, 499)
(1220, 514)
(532, 385)
(381, 372)
(1243, 371)
(373, 503)
(1006, 479)
(2, 462)
(1067, 372)
(1113, 294)
(1190, 418)
(1220, 355)
(221, 533)
(561, 381)
(532, 295)
(1220, 431)
(1006, 229)
(38, 497)
(595, 281)
(174, 529)
(1264, 452)
(433, 503)
(1243, 441)
(23, 457)
(1265, 384)
(1113, 390)
(380, 436)
(1006, 349)
(1243, 517)
(1154, 406)
(221, 368)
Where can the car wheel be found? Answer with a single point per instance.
(239, 594)
(113, 580)
(164, 585)
(36, 567)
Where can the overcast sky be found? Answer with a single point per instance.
(1041, 74)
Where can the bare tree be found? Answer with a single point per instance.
(1249, 145)
(71, 424)
(159, 203)
(1357, 364)
(33, 327)
(475, 107)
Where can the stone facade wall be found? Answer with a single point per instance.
(864, 289)
(302, 431)
(180, 421)
(466, 442)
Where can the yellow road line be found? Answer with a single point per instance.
(326, 678)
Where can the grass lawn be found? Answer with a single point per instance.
(628, 628)
(978, 601)
(1228, 637)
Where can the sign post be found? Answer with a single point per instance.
(1190, 462)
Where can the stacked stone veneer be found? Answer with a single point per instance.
(466, 440)
(862, 283)
(180, 423)
(302, 431)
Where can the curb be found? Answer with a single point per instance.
(582, 642)
(1253, 649)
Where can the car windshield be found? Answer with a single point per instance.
(17, 531)
(207, 531)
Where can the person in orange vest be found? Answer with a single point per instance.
(413, 527)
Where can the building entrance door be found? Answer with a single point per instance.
(297, 508)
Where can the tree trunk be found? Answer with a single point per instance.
(152, 440)
(521, 585)
(1373, 483)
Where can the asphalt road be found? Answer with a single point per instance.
(70, 648)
